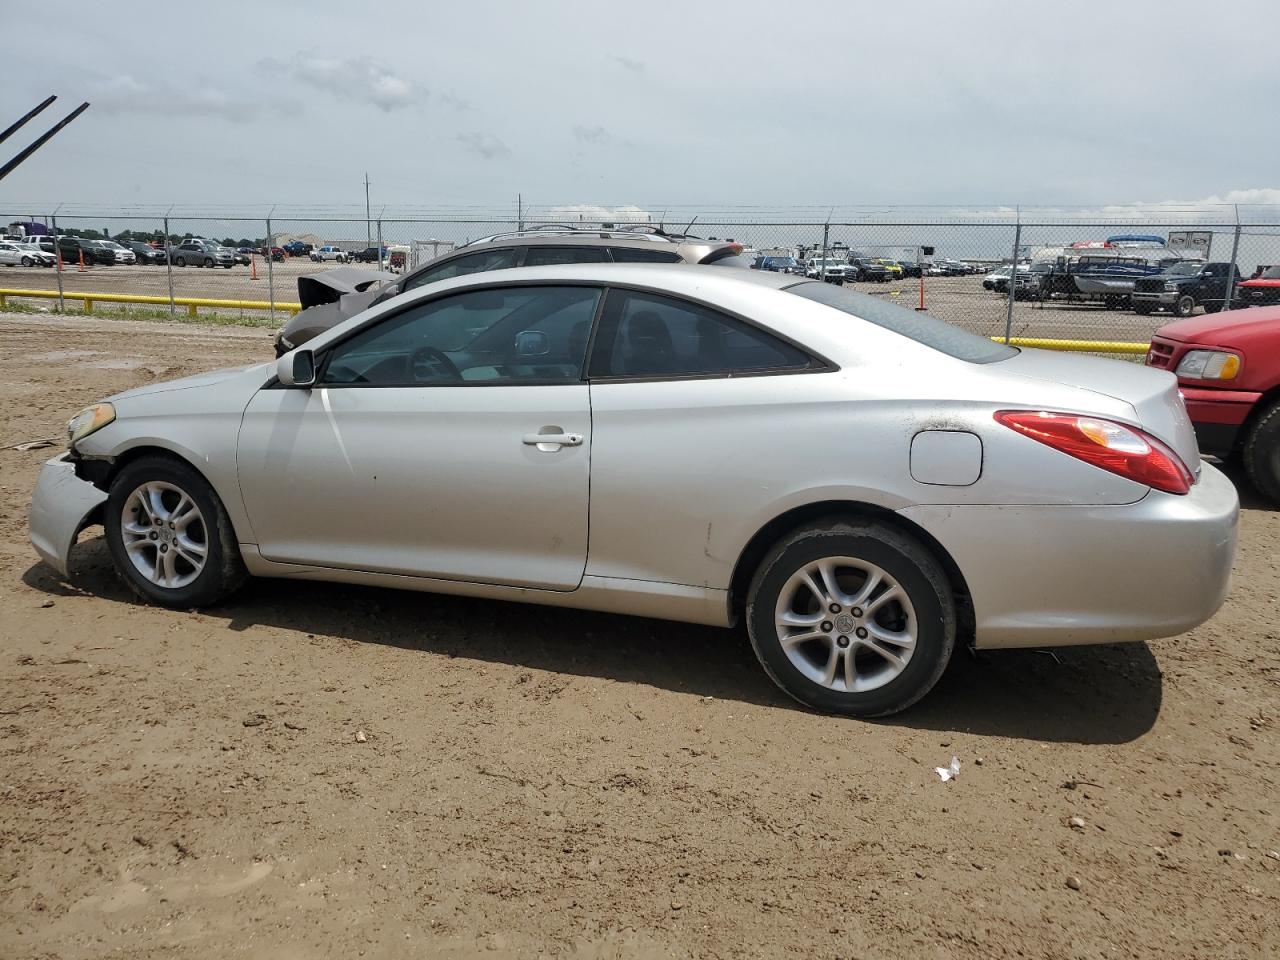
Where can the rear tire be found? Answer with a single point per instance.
(1261, 453)
(169, 535)
(878, 611)
(1212, 306)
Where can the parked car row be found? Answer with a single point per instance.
(1180, 287)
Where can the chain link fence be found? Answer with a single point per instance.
(1076, 277)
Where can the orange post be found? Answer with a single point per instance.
(82, 261)
(253, 266)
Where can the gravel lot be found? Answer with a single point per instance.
(317, 770)
(959, 300)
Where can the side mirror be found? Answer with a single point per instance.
(297, 369)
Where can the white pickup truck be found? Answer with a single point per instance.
(330, 253)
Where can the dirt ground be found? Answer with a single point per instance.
(337, 771)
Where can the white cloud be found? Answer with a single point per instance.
(353, 78)
(596, 135)
(124, 93)
(1214, 207)
(590, 213)
(485, 144)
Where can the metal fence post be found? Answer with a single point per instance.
(1013, 281)
(826, 235)
(168, 269)
(1231, 270)
(57, 253)
(271, 273)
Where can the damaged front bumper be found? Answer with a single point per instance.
(62, 506)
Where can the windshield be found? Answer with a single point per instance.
(1183, 270)
(1271, 273)
(916, 326)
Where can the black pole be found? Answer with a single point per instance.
(9, 132)
(12, 164)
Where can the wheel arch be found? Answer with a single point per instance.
(1265, 402)
(102, 473)
(754, 552)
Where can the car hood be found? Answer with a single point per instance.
(328, 286)
(1153, 394)
(1224, 329)
(199, 380)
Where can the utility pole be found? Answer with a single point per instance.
(520, 211)
(368, 230)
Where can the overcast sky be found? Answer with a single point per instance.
(659, 103)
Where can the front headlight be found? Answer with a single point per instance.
(1209, 365)
(89, 420)
(1170, 287)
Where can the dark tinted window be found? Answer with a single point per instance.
(542, 256)
(502, 336)
(916, 326)
(641, 255)
(477, 262)
(646, 335)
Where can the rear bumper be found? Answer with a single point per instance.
(1062, 575)
(61, 507)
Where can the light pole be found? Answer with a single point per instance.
(368, 230)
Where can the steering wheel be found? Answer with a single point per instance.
(428, 363)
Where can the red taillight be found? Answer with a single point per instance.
(1126, 451)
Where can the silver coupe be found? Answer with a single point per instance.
(863, 485)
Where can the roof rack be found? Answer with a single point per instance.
(637, 231)
(566, 231)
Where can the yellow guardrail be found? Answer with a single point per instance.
(191, 303)
(1078, 346)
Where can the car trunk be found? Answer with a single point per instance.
(1153, 394)
(329, 286)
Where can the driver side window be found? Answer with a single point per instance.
(503, 335)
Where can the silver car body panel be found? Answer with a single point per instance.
(430, 482)
(432, 488)
(61, 507)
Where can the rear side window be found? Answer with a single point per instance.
(544, 256)
(641, 255)
(477, 262)
(919, 327)
(648, 335)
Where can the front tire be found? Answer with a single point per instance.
(1261, 453)
(169, 535)
(1184, 306)
(852, 617)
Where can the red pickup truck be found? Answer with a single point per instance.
(1228, 366)
(1260, 291)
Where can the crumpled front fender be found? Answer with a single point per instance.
(61, 507)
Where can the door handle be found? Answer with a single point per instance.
(552, 441)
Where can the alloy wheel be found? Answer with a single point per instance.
(164, 534)
(846, 624)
